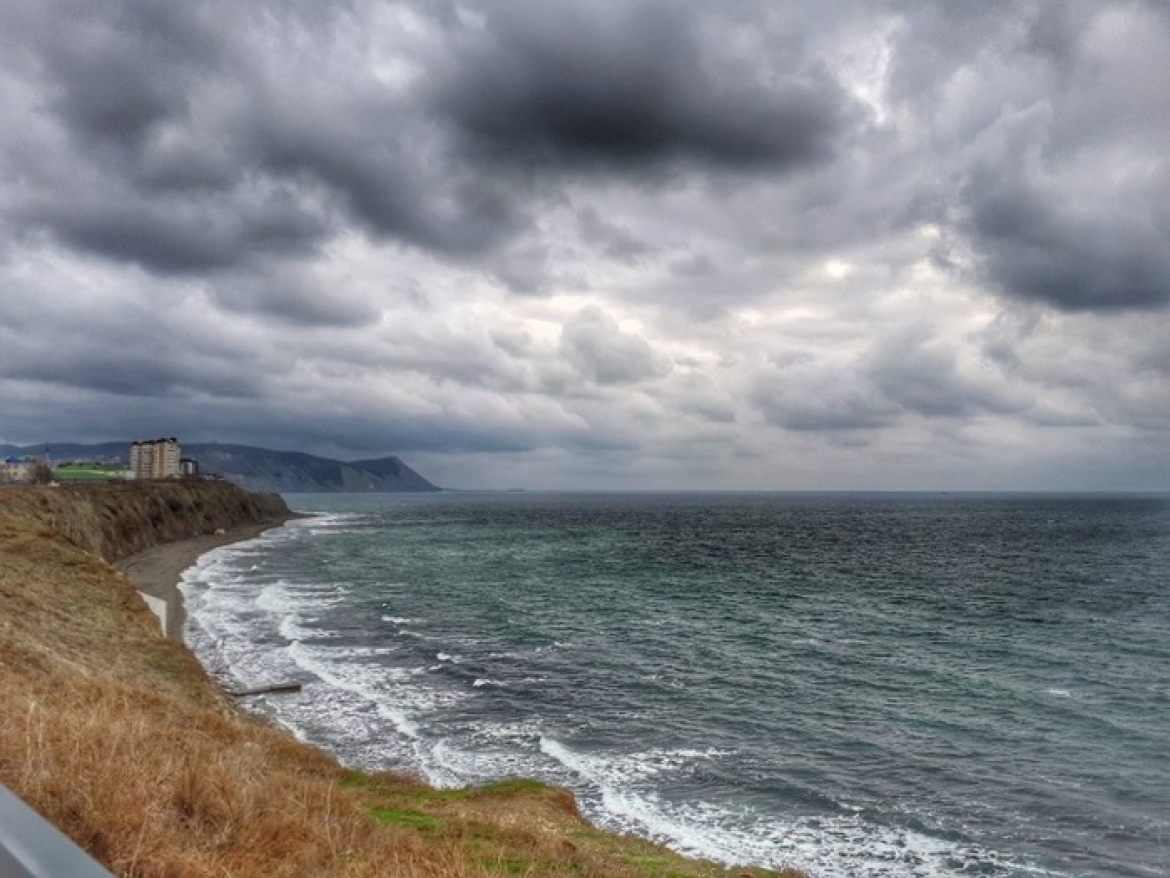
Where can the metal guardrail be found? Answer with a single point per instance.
(32, 847)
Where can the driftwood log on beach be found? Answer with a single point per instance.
(266, 690)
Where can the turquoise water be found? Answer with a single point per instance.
(860, 685)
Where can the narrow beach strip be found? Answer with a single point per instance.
(157, 571)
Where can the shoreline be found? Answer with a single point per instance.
(157, 571)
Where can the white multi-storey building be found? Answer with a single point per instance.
(155, 459)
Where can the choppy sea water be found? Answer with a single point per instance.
(858, 685)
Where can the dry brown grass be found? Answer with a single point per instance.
(118, 737)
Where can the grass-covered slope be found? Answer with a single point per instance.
(118, 737)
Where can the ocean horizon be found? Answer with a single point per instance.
(852, 683)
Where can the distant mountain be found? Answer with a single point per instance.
(259, 469)
(107, 452)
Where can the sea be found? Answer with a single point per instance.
(852, 684)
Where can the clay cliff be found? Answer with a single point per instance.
(117, 519)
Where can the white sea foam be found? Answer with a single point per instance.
(399, 694)
(323, 522)
(829, 846)
(456, 764)
(249, 629)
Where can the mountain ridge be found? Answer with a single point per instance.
(261, 469)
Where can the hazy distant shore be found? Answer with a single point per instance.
(157, 571)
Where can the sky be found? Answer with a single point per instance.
(644, 244)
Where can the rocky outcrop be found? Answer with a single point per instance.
(117, 519)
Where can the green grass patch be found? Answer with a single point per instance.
(503, 865)
(516, 786)
(413, 819)
(355, 780)
(515, 866)
(659, 866)
(503, 789)
(96, 472)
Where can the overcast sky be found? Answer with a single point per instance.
(870, 244)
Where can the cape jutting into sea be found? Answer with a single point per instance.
(858, 685)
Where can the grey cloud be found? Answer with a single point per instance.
(594, 343)
(157, 376)
(515, 343)
(1047, 131)
(923, 377)
(127, 344)
(121, 69)
(631, 85)
(700, 397)
(290, 298)
(827, 402)
(181, 236)
(614, 241)
(1047, 249)
(907, 373)
(135, 365)
(385, 168)
(192, 145)
(1003, 336)
(374, 433)
(522, 268)
(463, 360)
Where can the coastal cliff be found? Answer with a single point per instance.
(118, 737)
(116, 519)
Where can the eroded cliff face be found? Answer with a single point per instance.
(117, 519)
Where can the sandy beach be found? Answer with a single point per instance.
(158, 570)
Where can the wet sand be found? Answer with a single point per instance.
(158, 570)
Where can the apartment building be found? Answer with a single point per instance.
(155, 459)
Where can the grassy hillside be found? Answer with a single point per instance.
(119, 738)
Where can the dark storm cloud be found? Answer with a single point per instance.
(195, 139)
(131, 363)
(117, 71)
(189, 235)
(636, 84)
(1046, 248)
(144, 174)
(110, 371)
(385, 168)
(1052, 122)
(291, 299)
